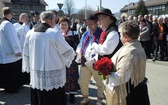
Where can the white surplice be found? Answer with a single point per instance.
(9, 43)
(21, 32)
(45, 56)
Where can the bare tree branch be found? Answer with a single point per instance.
(69, 4)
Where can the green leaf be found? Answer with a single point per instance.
(103, 77)
(100, 73)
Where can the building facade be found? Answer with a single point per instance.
(20, 6)
(155, 7)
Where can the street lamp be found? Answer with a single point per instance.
(128, 7)
(97, 7)
(100, 5)
(85, 9)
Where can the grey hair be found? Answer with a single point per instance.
(23, 15)
(46, 15)
(130, 28)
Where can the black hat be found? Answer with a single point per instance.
(91, 17)
(36, 13)
(107, 12)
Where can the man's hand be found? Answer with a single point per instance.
(19, 54)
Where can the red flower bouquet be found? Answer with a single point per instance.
(104, 66)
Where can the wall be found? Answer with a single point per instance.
(1, 6)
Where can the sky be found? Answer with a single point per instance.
(113, 5)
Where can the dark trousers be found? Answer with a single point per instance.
(162, 46)
(147, 47)
(11, 76)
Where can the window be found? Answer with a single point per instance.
(163, 7)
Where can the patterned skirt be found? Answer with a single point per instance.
(72, 76)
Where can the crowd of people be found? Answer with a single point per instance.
(46, 53)
(153, 35)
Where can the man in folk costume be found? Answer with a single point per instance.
(45, 55)
(109, 41)
(90, 36)
(10, 53)
(127, 86)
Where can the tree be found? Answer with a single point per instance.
(141, 9)
(69, 4)
(81, 13)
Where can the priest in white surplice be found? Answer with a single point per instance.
(22, 27)
(10, 54)
(45, 55)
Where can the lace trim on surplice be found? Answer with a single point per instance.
(47, 80)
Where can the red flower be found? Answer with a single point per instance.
(104, 66)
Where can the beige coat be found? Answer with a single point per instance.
(130, 63)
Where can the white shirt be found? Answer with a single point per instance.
(9, 43)
(70, 33)
(78, 26)
(87, 49)
(108, 46)
(45, 56)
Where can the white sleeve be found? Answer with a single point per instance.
(66, 52)
(78, 50)
(25, 58)
(123, 74)
(108, 46)
(20, 31)
(11, 35)
(115, 78)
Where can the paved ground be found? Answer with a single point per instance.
(157, 73)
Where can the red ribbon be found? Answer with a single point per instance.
(102, 37)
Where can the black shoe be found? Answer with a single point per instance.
(154, 59)
(166, 59)
(72, 98)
